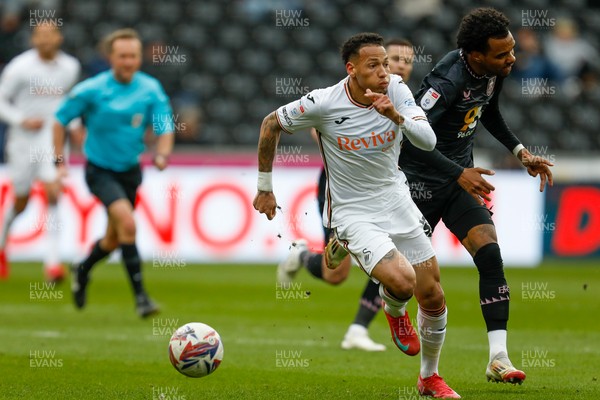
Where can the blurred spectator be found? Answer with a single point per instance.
(417, 9)
(569, 51)
(531, 60)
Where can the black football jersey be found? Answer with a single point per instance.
(454, 98)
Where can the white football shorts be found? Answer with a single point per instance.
(369, 241)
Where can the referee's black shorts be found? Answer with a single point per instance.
(109, 186)
(452, 204)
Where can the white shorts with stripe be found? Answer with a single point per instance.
(369, 241)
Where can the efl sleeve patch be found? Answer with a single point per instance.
(429, 99)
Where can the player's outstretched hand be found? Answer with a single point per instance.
(474, 184)
(384, 105)
(266, 204)
(537, 165)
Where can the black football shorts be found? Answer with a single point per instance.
(109, 186)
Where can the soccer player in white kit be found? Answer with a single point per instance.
(31, 88)
(361, 122)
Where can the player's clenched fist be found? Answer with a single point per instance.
(265, 203)
(384, 106)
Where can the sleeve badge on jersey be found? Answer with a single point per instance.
(297, 109)
(429, 99)
(409, 103)
(136, 120)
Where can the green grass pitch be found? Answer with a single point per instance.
(286, 346)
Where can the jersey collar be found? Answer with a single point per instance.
(356, 103)
(471, 72)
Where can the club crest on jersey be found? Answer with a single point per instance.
(136, 120)
(466, 94)
(429, 99)
(490, 86)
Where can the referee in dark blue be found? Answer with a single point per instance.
(117, 107)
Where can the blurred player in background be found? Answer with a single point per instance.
(400, 55)
(360, 123)
(117, 106)
(31, 88)
(461, 90)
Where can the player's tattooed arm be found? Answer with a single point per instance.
(270, 132)
(264, 201)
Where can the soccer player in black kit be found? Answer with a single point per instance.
(460, 91)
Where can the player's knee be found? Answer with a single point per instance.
(430, 297)
(126, 226)
(401, 286)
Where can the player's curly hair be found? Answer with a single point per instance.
(352, 46)
(480, 25)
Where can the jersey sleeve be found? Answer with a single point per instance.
(9, 86)
(161, 111)
(494, 122)
(75, 104)
(300, 114)
(437, 95)
(415, 126)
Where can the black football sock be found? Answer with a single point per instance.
(131, 258)
(95, 255)
(312, 263)
(370, 304)
(493, 290)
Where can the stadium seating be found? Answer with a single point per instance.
(236, 52)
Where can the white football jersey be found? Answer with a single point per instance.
(360, 148)
(32, 87)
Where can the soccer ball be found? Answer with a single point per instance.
(195, 350)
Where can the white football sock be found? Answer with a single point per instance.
(393, 306)
(497, 341)
(52, 258)
(9, 217)
(432, 331)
